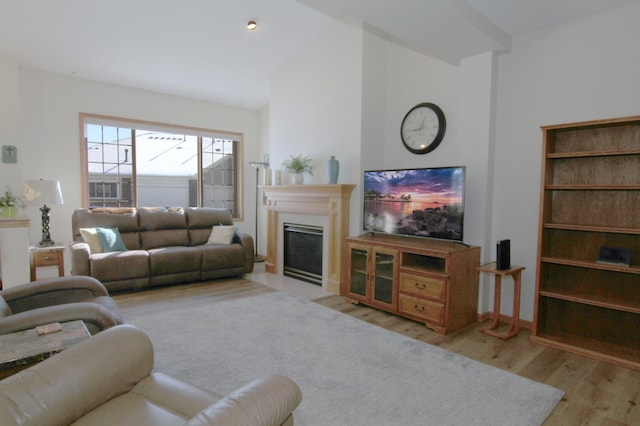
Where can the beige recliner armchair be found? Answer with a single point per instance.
(108, 380)
(58, 300)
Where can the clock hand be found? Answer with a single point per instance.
(418, 128)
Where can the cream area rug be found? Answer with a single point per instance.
(350, 372)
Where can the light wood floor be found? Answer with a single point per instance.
(596, 393)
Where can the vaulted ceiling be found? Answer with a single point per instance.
(201, 49)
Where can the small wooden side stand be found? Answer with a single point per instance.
(46, 256)
(514, 271)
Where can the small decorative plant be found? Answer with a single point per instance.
(8, 204)
(8, 200)
(298, 165)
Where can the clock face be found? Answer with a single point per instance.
(423, 128)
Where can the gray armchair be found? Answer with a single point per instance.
(109, 379)
(58, 300)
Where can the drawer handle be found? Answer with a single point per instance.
(47, 258)
(418, 308)
(420, 286)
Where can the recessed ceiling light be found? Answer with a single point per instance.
(251, 25)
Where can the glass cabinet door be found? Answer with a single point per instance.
(358, 281)
(384, 272)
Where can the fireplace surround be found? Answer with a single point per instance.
(330, 202)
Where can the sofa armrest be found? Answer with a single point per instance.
(61, 389)
(246, 241)
(266, 401)
(52, 291)
(80, 258)
(96, 317)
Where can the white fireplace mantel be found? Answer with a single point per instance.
(331, 201)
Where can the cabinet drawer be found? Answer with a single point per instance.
(44, 258)
(431, 288)
(420, 308)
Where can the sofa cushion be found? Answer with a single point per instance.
(162, 227)
(168, 237)
(221, 257)
(171, 260)
(125, 220)
(222, 234)
(171, 265)
(110, 240)
(200, 220)
(120, 265)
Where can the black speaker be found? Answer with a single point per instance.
(503, 254)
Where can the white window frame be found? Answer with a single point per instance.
(87, 118)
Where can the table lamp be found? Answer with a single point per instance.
(45, 192)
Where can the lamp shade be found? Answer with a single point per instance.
(42, 192)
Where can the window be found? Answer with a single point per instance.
(142, 164)
(103, 190)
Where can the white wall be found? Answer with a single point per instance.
(353, 83)
(494, 105)
(345, 95)
(412, 78)
(316, 108)
(464, 93)
(315, 105)
(369, 98)
(9, 123)
(587, 69)
(374, 107)
(478, 94)
(49, 133)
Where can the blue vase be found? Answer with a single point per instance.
(333, 169)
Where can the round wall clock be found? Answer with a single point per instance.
(423, 128)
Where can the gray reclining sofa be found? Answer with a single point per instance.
(162, 246)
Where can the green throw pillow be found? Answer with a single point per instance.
(110, 240)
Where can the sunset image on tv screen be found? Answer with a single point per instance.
(420, 202)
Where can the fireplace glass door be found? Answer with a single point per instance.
(303, 252)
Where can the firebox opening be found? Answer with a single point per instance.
(303, 252)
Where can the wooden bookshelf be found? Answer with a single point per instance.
(590, 198)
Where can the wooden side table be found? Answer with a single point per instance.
(514, 272)
(46, 256)
(22, 349)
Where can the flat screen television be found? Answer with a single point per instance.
(425, 202)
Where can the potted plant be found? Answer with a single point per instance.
(8, 203)
(298, 165)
